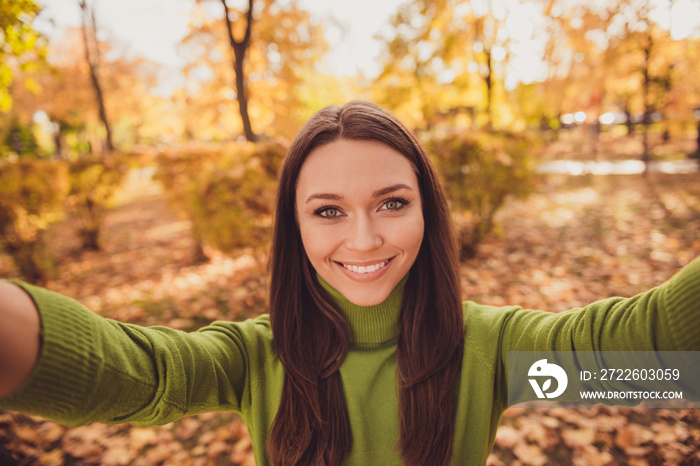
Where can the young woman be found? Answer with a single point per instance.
(368, 355)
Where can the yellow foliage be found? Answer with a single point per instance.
(280, 72)
(228, 193)
(480, 170)
(93, 181)
(31, 199)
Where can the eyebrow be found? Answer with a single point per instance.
(377, 193)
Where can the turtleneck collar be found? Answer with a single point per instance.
(371, 325)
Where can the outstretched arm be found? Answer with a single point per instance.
(665, 318)
(84, 368)
(20, 330)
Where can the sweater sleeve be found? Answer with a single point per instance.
(94, 369)
(665, 318)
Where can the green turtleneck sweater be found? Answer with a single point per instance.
(95, 369)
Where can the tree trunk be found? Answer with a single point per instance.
(696, 154)
(28, 258)
(88, 19)
(647, 106)
(198, 254)
(628, 118)
(242, 97)
(239, 51)
(59, 139)
(489, 89)
(90, 230)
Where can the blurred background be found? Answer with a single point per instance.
(140, 143)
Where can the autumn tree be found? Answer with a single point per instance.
(446, 58)
(646, 44)
(92, 58)
(615, 56)
(490, 39)
(67, 98)
(64, 95)
(240, 47)
(581, 54)
(22, 48)
(424, 75)
(239, 27)
(652, 50)
(285, 46)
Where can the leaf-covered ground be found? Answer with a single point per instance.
(577, 240)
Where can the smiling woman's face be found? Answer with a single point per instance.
(359, 211)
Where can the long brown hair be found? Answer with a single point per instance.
(311, 336)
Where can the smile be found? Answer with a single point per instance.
(366, 269)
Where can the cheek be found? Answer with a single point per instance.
(411, 236)
(316, 244)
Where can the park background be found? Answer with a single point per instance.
(140, 180)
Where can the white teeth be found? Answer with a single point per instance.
(363, 269)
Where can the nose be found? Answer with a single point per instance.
(364, 234)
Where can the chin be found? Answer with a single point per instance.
(367, 299)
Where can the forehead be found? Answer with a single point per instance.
(349, 165)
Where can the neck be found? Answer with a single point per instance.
(371, 325)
